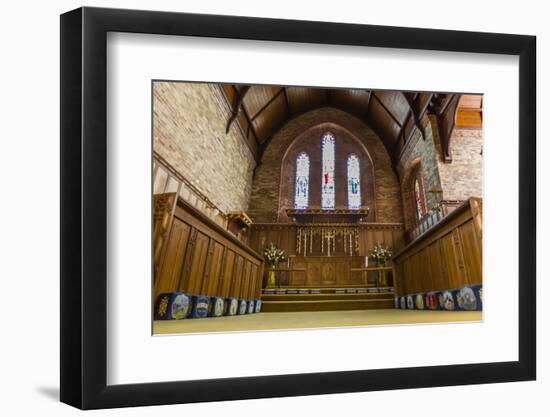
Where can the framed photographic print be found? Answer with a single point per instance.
(256, 208)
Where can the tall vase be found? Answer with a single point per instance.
(271, 277)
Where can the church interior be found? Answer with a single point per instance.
(281, 207)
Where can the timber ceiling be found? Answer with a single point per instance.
(261, 110)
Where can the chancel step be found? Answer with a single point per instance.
(325, 296)
(326, 299)
(327, 290)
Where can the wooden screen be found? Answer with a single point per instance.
(447, 256)
(199, 257)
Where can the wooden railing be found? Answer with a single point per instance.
(447, 255)
(431, 219)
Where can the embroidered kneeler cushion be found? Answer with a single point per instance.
(447, 300)
(432, 300)
(200, 306)
(469, 297)
(419, 301)
(172, 306)
(258, 306)
(410, 302)
(231, 306)
(403, 302)
(480, 294)
(217, 306)
(242, 307)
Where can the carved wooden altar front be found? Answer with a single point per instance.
(331, 271)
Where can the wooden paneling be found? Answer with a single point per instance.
(470, 111)
(245, 280)
(193, 276)
(213, 268)
(313, 274)
(227, 276)
(170, 272)
(284, 235)
(201, 258)
(471, 247)
(165, 205)
(328, 271)
(449, 255)
(236, 280)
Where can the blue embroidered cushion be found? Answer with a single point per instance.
(469, 297)
(258, 306)
(217, 306)
(447, 300)
(242, 307)
(419, 302)
(231, 306)
(201, 304)
(172, 306)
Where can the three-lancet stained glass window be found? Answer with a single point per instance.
(328, 192)
(328, 188)
(354, 184)
(301, 196)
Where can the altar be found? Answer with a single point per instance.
(332, 271)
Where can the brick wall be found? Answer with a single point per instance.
(264, 204)
(463, 176)
(189, 133)
(459, 179)
(423, 151)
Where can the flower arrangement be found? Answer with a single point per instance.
(380, 253)
(273, 255)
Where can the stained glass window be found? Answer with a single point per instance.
(354, 184)
(327, 187)
(301, 194)
(418, 198)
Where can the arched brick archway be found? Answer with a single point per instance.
(410, 212)
(264, 203)
(309, 142)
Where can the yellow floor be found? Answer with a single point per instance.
(309, 320)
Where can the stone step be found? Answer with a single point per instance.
(325, 305)
(317, 297)
(327, 290)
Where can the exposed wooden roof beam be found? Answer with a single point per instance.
(368, 104)
(401, 130)
(250, 126)
(446, 127)
(266, 105)
(287, 102)
(386, 109)
(236, 106)
(416, 116)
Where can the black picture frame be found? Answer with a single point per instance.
(84, 207)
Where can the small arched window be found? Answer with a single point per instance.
(419, 196)
(354, 183)
(301, 193)
(328, 193)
